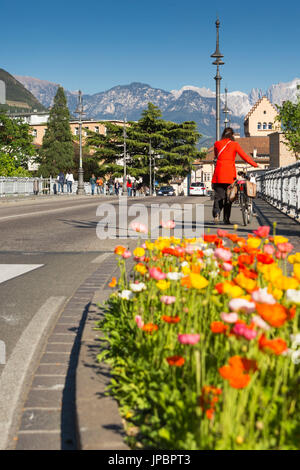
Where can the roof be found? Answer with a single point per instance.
(256, 106)
(261, 144)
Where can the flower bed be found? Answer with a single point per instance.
(202, 342)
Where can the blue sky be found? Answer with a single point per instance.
(95, 45)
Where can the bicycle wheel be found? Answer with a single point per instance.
(243, 204)
(250, 210)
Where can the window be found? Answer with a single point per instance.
(97, 129)
(270, 125)
(86, 129)
(264, 125)
(76, 131)
(34, 132)
(265, 112)
(259, 125)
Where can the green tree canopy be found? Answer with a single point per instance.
(16, 148)
(172, 146)
(289, 116)
(57, 152)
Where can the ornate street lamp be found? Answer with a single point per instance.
(217, 55)
(125, 169)
(226, 110)
(79, 111)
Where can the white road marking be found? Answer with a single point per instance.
(19, 366)
(9, 271)
(101, 258)
(61, 209)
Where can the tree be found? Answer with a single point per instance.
(172, 146)
(289, 116)
(57, 151)
(16, 148)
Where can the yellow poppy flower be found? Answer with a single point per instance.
(297, 270)
(280, 239)
(139, 252)
(163, 284)
(140, 268)
(253, 242)
(198, 281)
(294, 258)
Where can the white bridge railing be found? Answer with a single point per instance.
(16, 186)
(281, 188)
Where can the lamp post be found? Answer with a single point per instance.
(150, 169)
(226, 110)
(79, 111)
(217, 55)
(125, 169)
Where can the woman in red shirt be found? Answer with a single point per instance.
(225, 172)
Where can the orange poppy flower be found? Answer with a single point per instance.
(264, 258)
(177, 361)
(113, 282)
(186, 282)
(119, 250)
(275, 314)
(149, 327)
(245, 282)
(277, 345)
(218, 327)
(235, 371)
(245, 259)
(210, 238)
(168, 319)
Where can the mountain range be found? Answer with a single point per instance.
(188, 103)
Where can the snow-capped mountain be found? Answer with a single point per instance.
(188, 103)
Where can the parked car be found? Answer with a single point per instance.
(198, 189)
(166, 191)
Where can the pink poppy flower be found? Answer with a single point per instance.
(229, 317)
(242, 305)
(242, 330)
(280, 255)
(222, 233)
(139, 321)
(224, 255)
(285, 247)
(157, 274)
(262, 296)
(139, 227)
(126, 254)
(167, 299)
(189, 338)
(169, 224)
(262, 232)
(269, 249)
(227, 267)
(260, 323)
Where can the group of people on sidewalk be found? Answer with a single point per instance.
(67, 179)
(113, 187)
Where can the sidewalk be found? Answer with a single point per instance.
(66, 408)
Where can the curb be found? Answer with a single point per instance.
(99, 424)
(65, 407)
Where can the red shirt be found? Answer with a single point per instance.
(225, 171)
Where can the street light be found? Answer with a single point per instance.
(217, 55)
(124, 176)
(79, 111)
(226, 110)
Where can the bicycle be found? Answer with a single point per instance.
(244, 200)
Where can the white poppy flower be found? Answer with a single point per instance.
(138, 287)
(126, 294)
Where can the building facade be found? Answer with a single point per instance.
(260, 121)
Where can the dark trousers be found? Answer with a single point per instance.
(221, 201)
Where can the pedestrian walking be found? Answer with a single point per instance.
(134, 187)
(69, 181)
(225, 172)
(93, 183)
(117, 187)
(129, 187)
(99, 184)
(61, 181)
